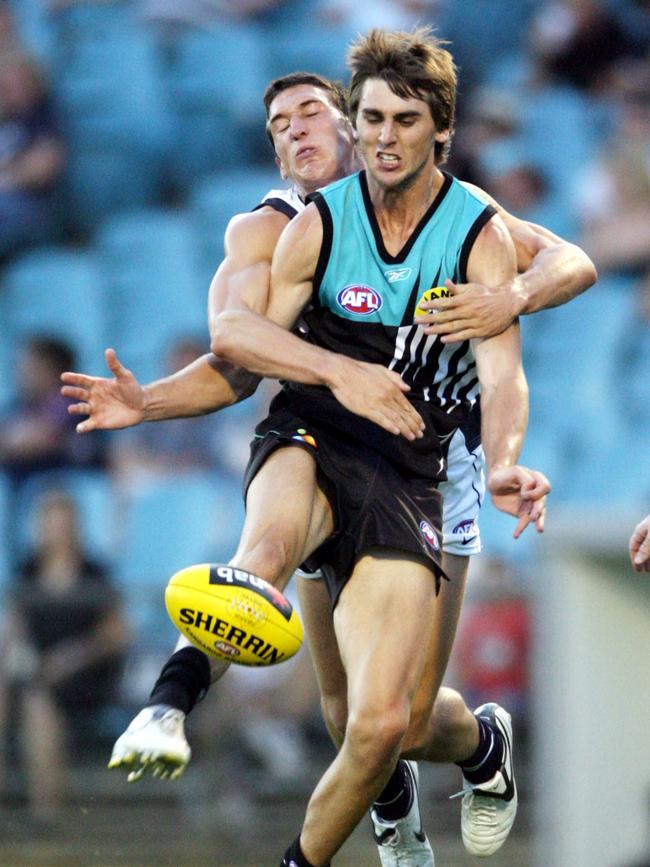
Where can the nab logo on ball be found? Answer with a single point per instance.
(429, 534)
(233, 615)
(359, 299)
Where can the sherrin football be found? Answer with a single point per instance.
(233, 615)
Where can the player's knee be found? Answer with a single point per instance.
(272, 557)
(376, 737)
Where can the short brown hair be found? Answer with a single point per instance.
(413, 65)
(334, 90)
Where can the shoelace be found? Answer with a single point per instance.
(483, 814)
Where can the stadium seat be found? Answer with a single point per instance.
(57, 291)
(5, 512)
(156, 291)
(216, 82)
(174, 523)
(114, 114)
(217, 198)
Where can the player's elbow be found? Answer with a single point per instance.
(224, 342)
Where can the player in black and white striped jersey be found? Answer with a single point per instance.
(121, 402)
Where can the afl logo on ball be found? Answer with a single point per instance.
(429, 535)
(359, 299)
(226, 648)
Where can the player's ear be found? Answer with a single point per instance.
(443, 135)
(283, 172)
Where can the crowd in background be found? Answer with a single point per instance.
(129, 133)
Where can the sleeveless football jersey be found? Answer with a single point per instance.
(364, 298)
(287, 202)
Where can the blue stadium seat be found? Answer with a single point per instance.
(115, 117)
(216, 82)
(175, 523)
(217, 198)
(57, 291)
(156, 290)
(5, 512)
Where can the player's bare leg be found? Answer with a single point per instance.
(279, 532)
(383, 668)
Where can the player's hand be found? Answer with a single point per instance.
(379, 394)
(472, 310)
(109, 403)
(520, 492)
(640, 546)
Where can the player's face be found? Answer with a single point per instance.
(314, 142)
(396, 136)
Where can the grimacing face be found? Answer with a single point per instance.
(314, 141)
(396, 136)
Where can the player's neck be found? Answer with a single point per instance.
(399, 210)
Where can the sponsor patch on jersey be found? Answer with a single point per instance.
(429, 295)
(359, 299)
(430, 535)
(396, 275)
(467, 529)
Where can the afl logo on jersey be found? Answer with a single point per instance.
(359, 299)
(429, 535)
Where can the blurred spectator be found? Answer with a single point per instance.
(613, 194)
(36, 432)
(187, 445)
(577, 42)
(507, 171)
(63, 649)
(31, 155)
(489, 116)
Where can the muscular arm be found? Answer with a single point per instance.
(504, 391)
(265, 346)
(209, 383)
(551, 272)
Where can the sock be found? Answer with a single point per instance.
(183, 681)
(294, 856)
(483, 764)
(396, 798)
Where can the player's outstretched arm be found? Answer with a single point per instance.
(121, 401)
(551, 272)
(640, 546)
(208, 384)
(516, 490)
(265, 346)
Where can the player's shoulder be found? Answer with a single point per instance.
(262, 226)
(337, 187)
(480, 195)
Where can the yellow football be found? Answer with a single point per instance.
(233, 615)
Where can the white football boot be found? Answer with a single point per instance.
(154, 742)
(402, 842)
(488, 809)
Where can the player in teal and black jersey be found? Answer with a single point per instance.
(369, 461)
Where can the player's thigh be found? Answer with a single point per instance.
(285, 506)
(383, 622)
(316, 611)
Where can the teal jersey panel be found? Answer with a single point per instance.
(362, 282)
